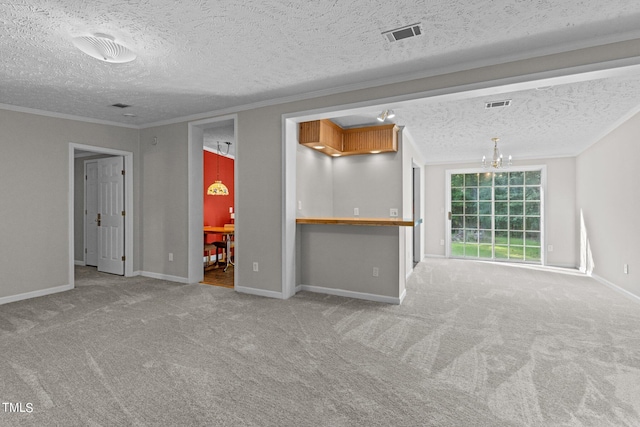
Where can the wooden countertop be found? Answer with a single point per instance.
(397, 222)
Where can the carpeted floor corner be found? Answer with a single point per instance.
(473, 344)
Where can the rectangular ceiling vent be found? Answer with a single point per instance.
(403, 33)
(497, 104)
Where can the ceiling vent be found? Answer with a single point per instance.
(403, 32)
(497, 104)
(120, 105)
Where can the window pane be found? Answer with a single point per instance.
(502, 252)
(532, 193)
(502, 237)
(532, 223)
(457, 194)
(516, 238)
(485, 193)
(515, 208)
(471, 193)
(533, 178)
(485, 251)
(471, 180)
(486, 179)
(470, 222)
(457, 221)
(515, 223)
(485, 236)
(457, 235)
(516, 193)
(471, 250)
(516, 252)
(533, 239)
(501, 193)
(502, 179)
(471, 236)
(516, 178)
(502, 223)
(485, 222)
(457, 208)
(485, 208)
(533, 208)
(502, 208)
(532, 254)
(471, 207)
(457, 180)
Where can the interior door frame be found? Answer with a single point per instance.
(87, 221)
(128, 205)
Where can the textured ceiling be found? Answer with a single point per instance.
(196, 56)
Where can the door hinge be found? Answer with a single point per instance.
(122, 171)
(124, 258)
(85, 250)
(123, 213)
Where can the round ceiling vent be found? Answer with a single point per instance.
(104, 48)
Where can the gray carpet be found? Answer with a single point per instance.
(474, 344)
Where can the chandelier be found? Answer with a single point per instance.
(218, 188)
(497, 160)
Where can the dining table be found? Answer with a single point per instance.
(227, 231)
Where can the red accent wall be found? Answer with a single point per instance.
(216, 208)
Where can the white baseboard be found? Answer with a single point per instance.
(352, 294)
(616, 288)
(402, 295)
(163, 277)
(34, 294)
(259, 292)
(79, 262)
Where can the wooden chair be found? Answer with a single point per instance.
(217, 245)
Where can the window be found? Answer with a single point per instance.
(497, 215)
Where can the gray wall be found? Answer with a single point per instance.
(34, 206)
(34, 177)
(560, 201)
(314, 183)
(164, 200)
(609, 201)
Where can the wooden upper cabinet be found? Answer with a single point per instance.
(329, 138)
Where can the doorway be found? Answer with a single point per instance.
(76, 207)
(217, 129)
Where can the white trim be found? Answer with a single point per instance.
(164, 277)
(352, 294)
(259, 292)
(53, 114)
(34, 294)
(616, 288)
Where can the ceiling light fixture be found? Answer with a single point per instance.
(386, 114)
(104, 48)
(497, 160)
(218, 188)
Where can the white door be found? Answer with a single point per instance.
(91, 213)
(111, 215)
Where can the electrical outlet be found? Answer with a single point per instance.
(393, 212)
(170, 256)
(299, 205)
(626, 269)
(550, 248)
(255, 266)
(375, 271)
(441, 242)
(356, 211)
